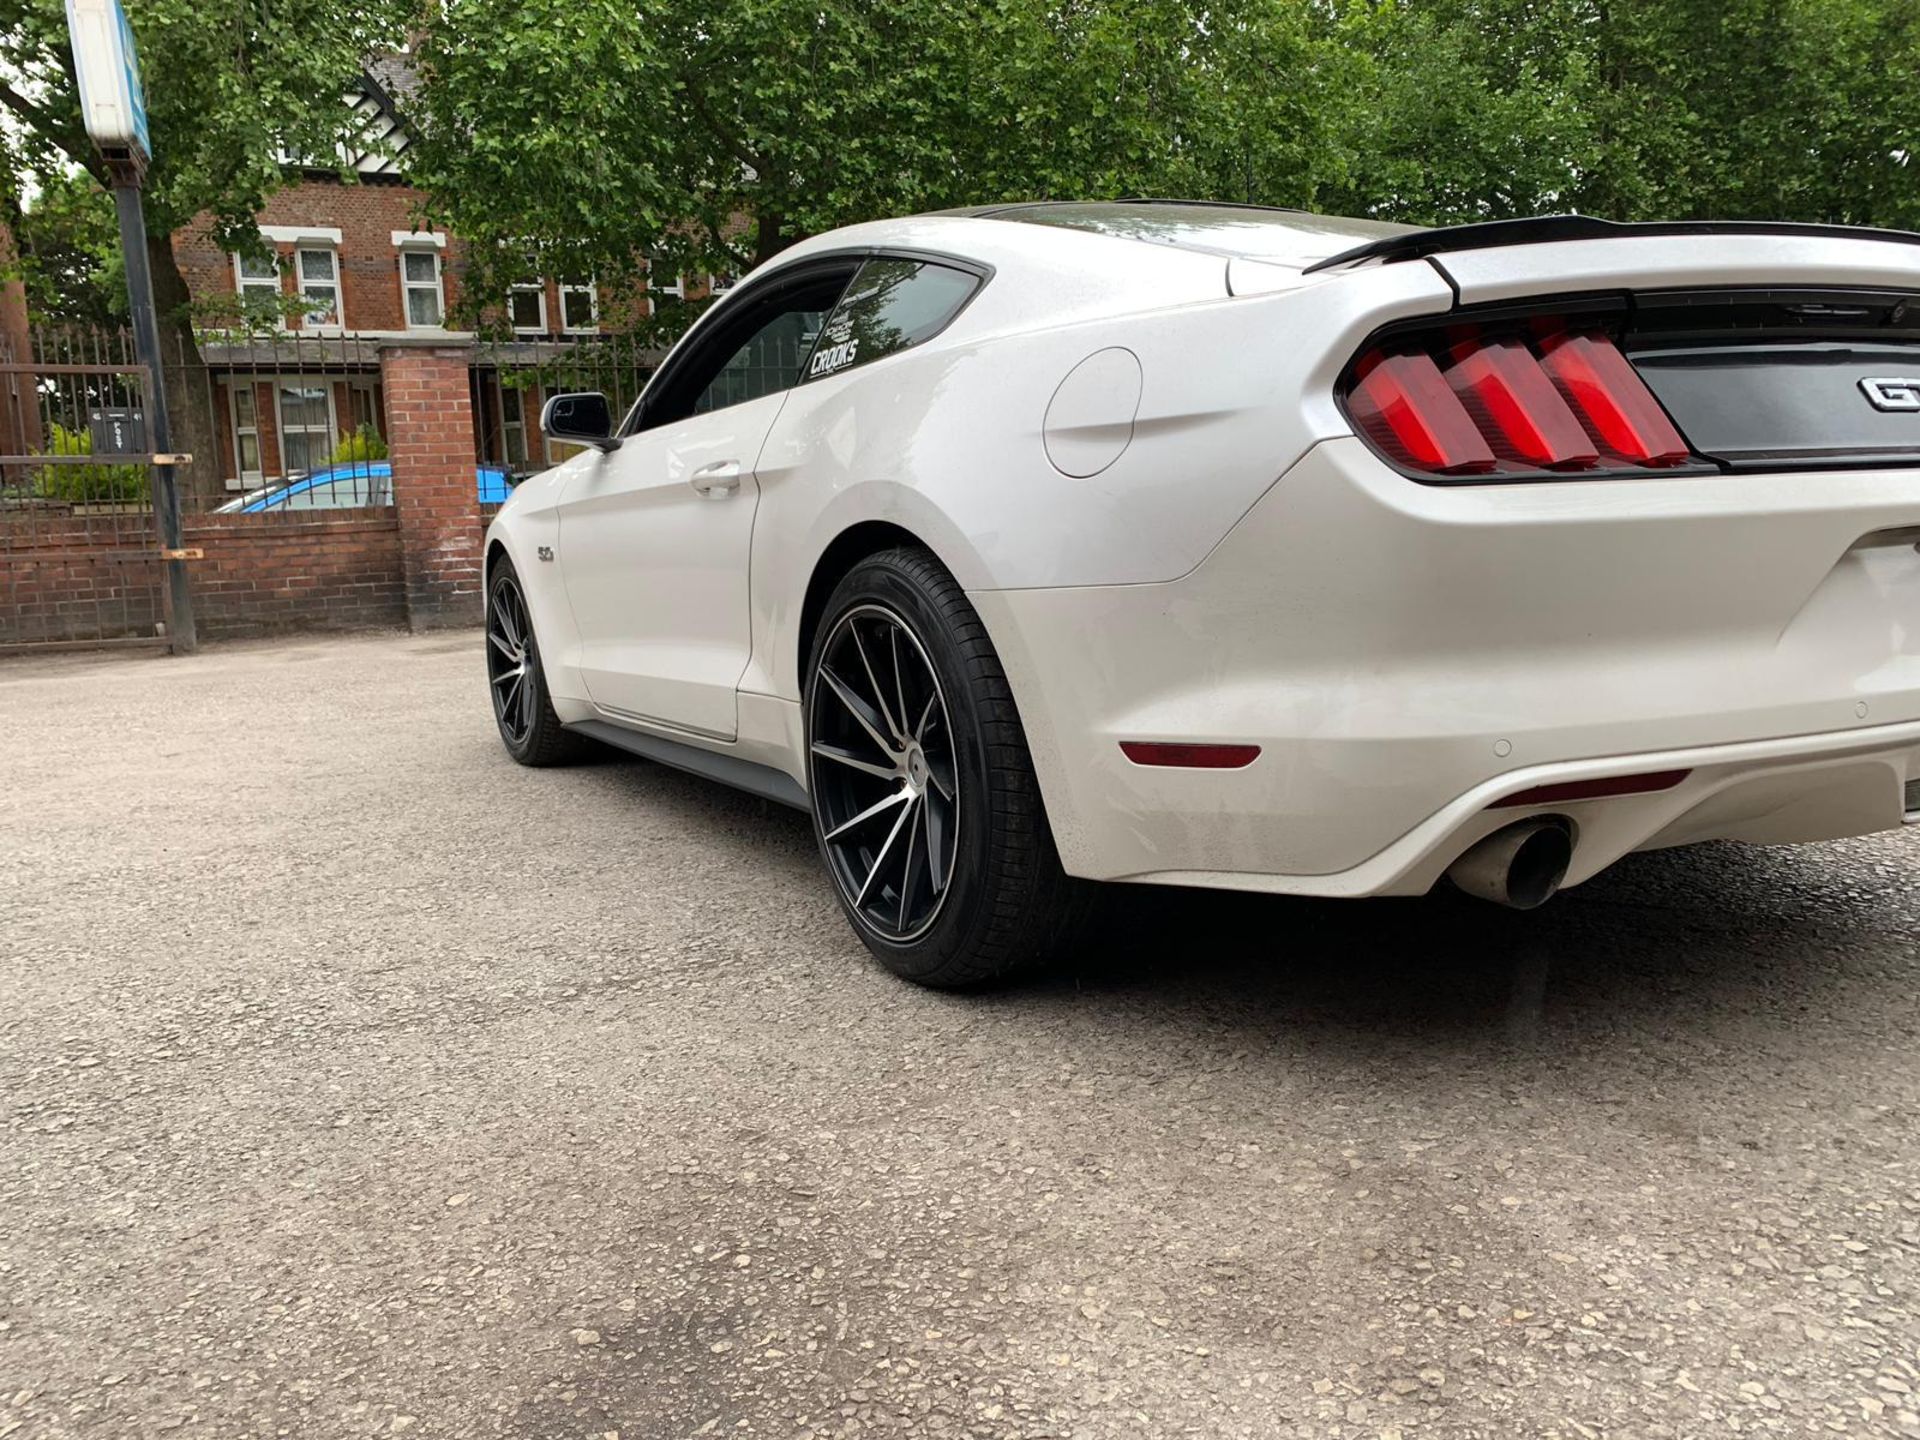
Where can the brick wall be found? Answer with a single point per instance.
(270, 574)
(366, 215)
(261, 575)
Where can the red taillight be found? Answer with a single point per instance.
(1404, 404)
(1504, 387)
(1507, 405)
(1189, 757)
(1594, 376)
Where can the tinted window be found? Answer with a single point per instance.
(891, 305)
(770, 359)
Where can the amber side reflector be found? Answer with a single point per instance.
(1647, 784)
(1190, 757)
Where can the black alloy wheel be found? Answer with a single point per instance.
(886, 789)
(529, 729)
(925, 802)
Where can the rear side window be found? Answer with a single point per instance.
(891, 306)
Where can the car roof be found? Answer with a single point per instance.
(1295, 239)
(1255, 232)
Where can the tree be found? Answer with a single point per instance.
(70, 252)
(1638, 109)
(231, 91)
(568, 138)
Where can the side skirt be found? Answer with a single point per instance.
(761, 780)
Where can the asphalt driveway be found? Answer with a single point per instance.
(359, 1082)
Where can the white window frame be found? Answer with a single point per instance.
(539, 290)
(243, 282)
(282, 383)
(591, 289)
(407, 287)
(331, 283)
(715, 289)
(246, 479)
(517, 425)
(678, 289)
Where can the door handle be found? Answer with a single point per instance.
(718, 480)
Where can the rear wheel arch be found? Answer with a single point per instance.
(846, 550)
(852, 545)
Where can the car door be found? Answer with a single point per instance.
(654, 536)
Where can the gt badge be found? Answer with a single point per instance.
(1894, 394)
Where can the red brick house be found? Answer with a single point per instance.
(358, 251)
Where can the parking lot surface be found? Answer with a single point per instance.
(358, 1082)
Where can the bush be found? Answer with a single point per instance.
(89, 484)
(364, 444)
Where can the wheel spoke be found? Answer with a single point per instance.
(526, 704)
(942, 783)
(879, 695)
(881, 858)
(897, 797)
(511, 694)
(852, 761)
(920, 730)
(936, 872)
(857, 708)
(899, 686)
(906, 869)
(501, 643)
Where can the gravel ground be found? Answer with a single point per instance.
(359, 1082)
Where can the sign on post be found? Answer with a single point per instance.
(107, 68)
(104, 62)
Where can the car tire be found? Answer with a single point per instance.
(516, 683)
(905, 697)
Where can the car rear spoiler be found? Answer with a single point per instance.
(1544, 229)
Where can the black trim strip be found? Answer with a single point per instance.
(762, 780)
(1545, 229)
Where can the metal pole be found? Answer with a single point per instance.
(177, 594)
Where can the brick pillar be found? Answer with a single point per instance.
(430, 444)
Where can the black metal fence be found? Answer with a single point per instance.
(79, 553)
(278, 426)
(513, 379)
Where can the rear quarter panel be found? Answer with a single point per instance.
(947, 441)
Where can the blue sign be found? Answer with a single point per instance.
(130, 67)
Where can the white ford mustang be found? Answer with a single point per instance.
(1047, 544)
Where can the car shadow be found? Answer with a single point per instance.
(1711, 931)
(1712, 936)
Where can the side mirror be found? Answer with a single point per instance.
(582, 418)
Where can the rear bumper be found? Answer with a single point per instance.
(1406, 655)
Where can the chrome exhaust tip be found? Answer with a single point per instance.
(1520, 867)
